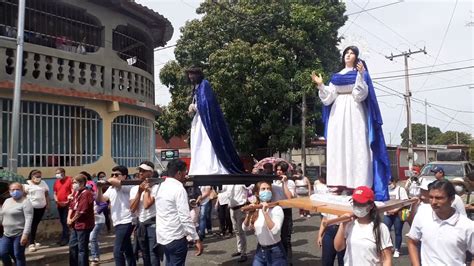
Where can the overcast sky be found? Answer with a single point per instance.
(386, 27)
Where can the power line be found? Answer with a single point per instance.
(402, 37)
(375, 36)
(398, 94)
(164, 47)
(368, 1)
(442, 42)
(437, 118)
(447, 108)
(424, 73)
(453, 118)
(373, 8)
(415, 68)
(443, 88)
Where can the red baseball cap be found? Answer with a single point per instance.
(363, 195)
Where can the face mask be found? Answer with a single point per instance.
(75, 186)
(459, 189)
(265, 196)
(36, 180)
(16, 194)
(360, 211)
(59, 176)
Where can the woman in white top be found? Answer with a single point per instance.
(37, 191)
(392, 217)
(303, 189)
(365, 238)
(266, 223)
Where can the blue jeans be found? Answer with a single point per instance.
(79, 248)
(208, 217)
(150, 254)
(329, 253)
(274, 256)
(394, 220)
(95, 250)
(10, 248)
(175, 252)
(123, 245)
(62, 212)
(205, 208)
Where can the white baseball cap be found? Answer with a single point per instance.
(425, 183)
(145, 167)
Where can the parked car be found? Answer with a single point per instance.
(454, 171)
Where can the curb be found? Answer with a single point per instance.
(58, 254)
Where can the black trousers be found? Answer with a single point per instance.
(37, 217)
(225, 222)
(285, 233)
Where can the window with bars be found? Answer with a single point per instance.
(52, 134)
(132, 140)
(53, 24)
(132, 45)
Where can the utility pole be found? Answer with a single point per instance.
(303, 134)
(15, 127)
(426, 131)
(408, 101)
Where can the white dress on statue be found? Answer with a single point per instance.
(349, 158)
(204, 160)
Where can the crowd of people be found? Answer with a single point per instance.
(165, 231)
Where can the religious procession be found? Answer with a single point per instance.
(271, 150)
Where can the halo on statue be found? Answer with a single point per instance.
(356, 40)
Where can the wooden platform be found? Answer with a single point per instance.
(337, 209)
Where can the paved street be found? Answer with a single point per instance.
(217, 250)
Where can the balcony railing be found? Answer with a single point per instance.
(52, 68)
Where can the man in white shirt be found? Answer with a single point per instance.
(457, 202)
(223, 211)
(173, 221)
(237, 199)
(146, 227)
(285, 189)
(446, 234)
(119, 197)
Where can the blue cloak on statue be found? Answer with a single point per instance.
(216, 128)
(380, 159)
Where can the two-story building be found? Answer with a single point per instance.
(87, 94)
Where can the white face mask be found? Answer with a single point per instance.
(59, 176)
(75, 186)
(361, 211)
(459, 189)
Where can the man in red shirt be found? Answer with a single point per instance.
(81, 220)
(62, 189)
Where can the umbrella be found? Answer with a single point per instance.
(272, 160)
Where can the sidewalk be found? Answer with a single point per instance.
(49, 253)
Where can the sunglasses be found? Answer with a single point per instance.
(115, 175)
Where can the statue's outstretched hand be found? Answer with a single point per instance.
(317, 78)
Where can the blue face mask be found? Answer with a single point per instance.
(265, 196)
(16, 194)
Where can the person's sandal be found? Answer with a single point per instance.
(242, 258)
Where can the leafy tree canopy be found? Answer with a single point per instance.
(258, 56)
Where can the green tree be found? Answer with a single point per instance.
(258, 57)
(449, 137)
(418, 134)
